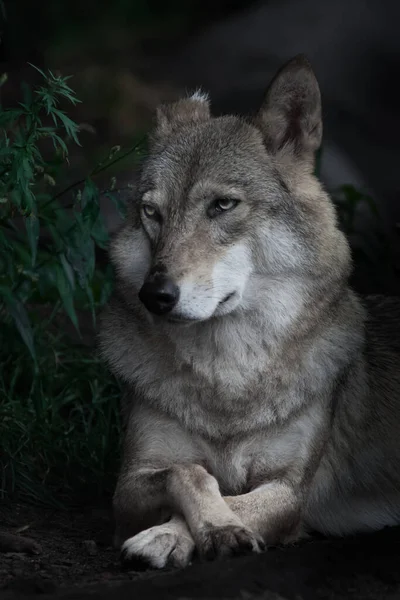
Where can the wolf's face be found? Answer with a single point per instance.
(224, 204)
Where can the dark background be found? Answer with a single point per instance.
(127, 56)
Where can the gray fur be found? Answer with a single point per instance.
(256, 419)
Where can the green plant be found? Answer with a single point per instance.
(58, 406)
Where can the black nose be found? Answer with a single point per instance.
(159, 294)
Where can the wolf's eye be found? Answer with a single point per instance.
(222, 205)
(150, 212)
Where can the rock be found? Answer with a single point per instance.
(10, 542)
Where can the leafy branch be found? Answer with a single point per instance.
(47, 249)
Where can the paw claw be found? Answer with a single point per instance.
(215, 542)
(130, 562)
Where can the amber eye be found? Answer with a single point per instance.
(150, 212)
(226, 203)
(222, 205)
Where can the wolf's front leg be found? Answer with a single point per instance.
(272, 511)
(216, 529)
(187, 490)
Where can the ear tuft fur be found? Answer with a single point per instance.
(200, 96)
(185, 112)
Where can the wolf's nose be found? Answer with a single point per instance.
(159, 294)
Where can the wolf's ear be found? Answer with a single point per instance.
(188, 111)
(290, 117)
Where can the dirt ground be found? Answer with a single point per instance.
(77, 561)
(75, 547)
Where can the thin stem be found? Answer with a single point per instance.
(96, 171)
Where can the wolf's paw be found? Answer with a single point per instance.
(215, 542)
(158, 547)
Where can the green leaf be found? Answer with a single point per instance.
(99, 232)
(28, 196)
(47, 100)
(90, 194)
(21, 319)
(89, 294)
(57, 140)
(90, 219)
(68, 270)
(57, 236)
(70, 127)
(22, 251)
(81, 256)
(32, 230)
(67, 92)
(90, 214)
(37, 69)
(66, 295)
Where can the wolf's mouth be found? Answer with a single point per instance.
(228, 297)
(181, 320)
(177, 320)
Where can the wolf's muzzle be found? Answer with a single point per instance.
(159, 294)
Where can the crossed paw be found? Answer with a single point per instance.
(160, 546)
(171, 545)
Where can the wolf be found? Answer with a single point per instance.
(262, 395)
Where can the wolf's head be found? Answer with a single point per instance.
(227, 207)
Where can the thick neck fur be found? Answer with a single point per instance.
(282, 347)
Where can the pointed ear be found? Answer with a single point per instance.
(188, 111)
(290, 117)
